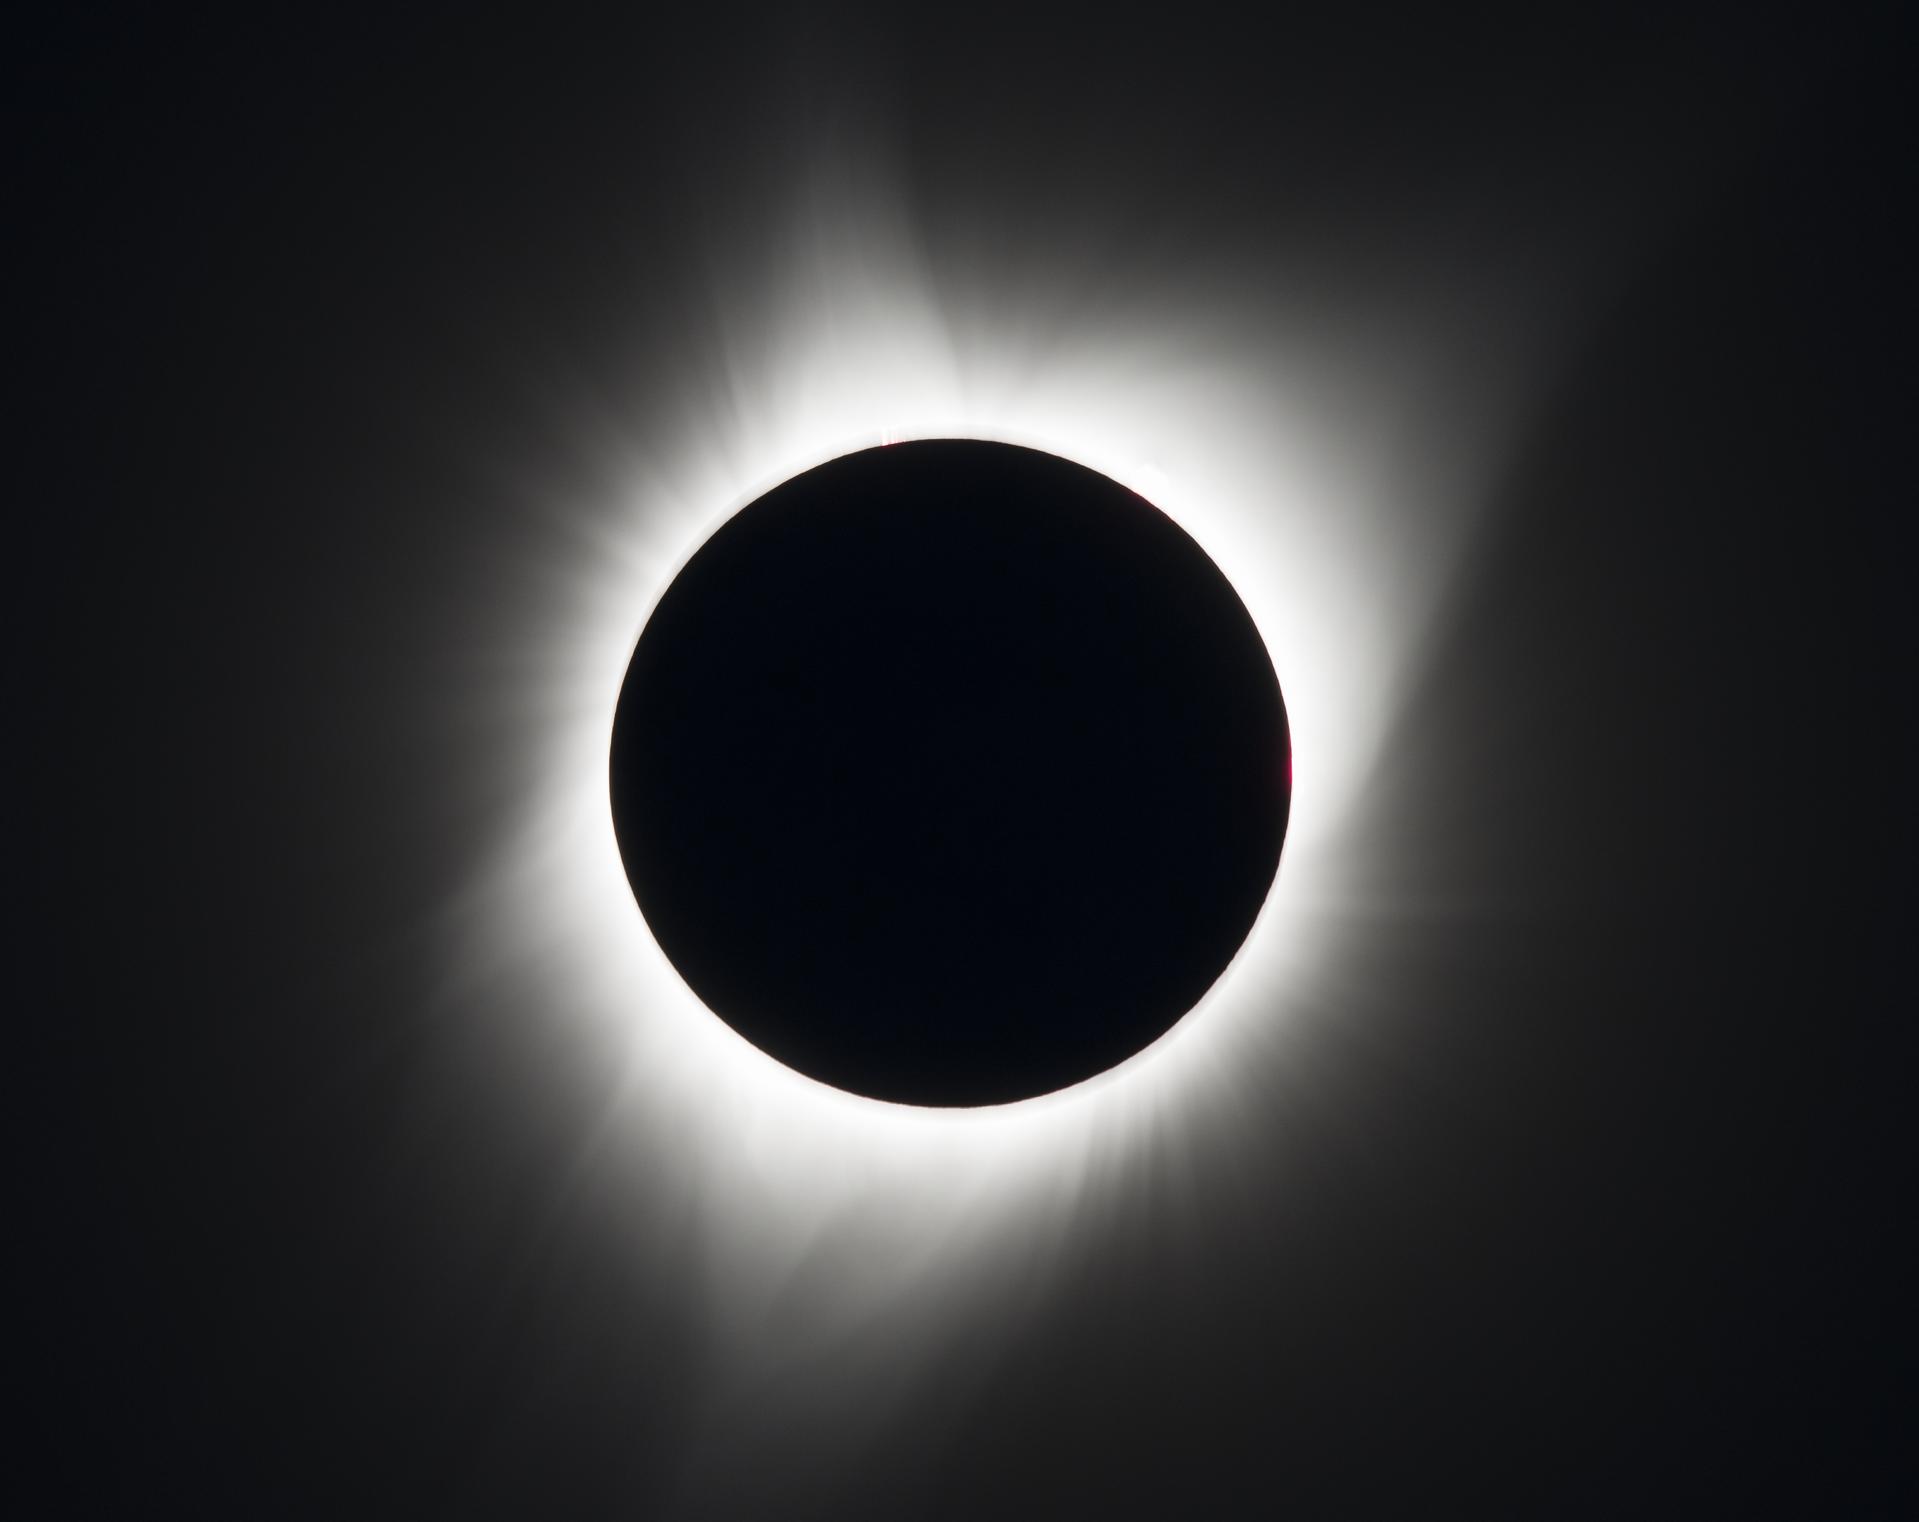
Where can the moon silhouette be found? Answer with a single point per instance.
(950, 773)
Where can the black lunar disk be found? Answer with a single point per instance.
(950, 773)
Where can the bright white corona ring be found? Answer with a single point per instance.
(1331, 476)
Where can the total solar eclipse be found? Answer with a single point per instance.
(950, 773)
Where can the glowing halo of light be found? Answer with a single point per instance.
(1318, 471)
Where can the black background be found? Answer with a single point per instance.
(1593, 1203)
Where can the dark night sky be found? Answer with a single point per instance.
(1583, 1199)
